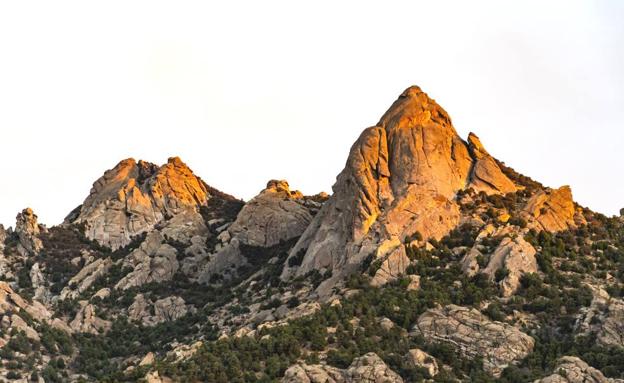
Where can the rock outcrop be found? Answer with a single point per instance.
(368, 368)
(401, 177)
(153, 261)
(474, 335)
(134, 196)
(274, 216)
(3, 237)
(11, 302)
(571, 369)
(514, 256)
(418, 358)
(604, 319)
(486, 175)
(552, 209)
(87, 321)
(86, 277)
(28, 230)
(162, 310)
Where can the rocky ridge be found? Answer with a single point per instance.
(401, 178)
(431, 260)
(134, 196)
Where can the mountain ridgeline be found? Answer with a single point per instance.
(431, 261)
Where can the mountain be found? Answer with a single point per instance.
(430, 261)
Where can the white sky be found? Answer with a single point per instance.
(248, 91)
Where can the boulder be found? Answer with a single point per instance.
(571, 369)
(394, 263)
(368, 368)
(420, 359)
(604, 318)
(401, 177)
(551, 209)
(3, 237)
(11, 302)
(162, 310)
(28, 230)
(513, 254)
(37, 279)
(19, 324)
(517, 257)
(276, 214)
(87, 321)
(86, 277)
(474, 335)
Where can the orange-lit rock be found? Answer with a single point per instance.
(401, 177)
(133, 197)
(552, 209)
(28, 229)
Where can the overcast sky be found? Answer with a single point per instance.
(245, 92)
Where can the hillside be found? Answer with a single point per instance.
(430, 261)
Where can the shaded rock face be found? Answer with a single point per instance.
(163, 310)
(276, 214)
(513, 254)
(604, 319)
(3, 237)
(28, 230)
(134, 196)
(418, 358)
(401, 177)
(368, 368)
(474, 335)
(153, 261)
(273, 217)
(11, 302)
(85, 278)
(87, 321)
(571, 369)
(552, 210)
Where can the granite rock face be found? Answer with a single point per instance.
(604, 319)
(134, 196)
(571, 369)
(418, 358)
(87, 321)
(86, 277)
(3, 237)
(162, 310)
(368, 368)
(401, 177)
(552, 209)
(473, 334)
(28, 230)
(276, 215)
(11, 302)
(486, 174)
(154, 261)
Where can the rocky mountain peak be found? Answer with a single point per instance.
(133, 196)
(282, 187)
(27, 228)
(401, 177)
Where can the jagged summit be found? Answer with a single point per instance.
(401, 177)
(133, 196)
